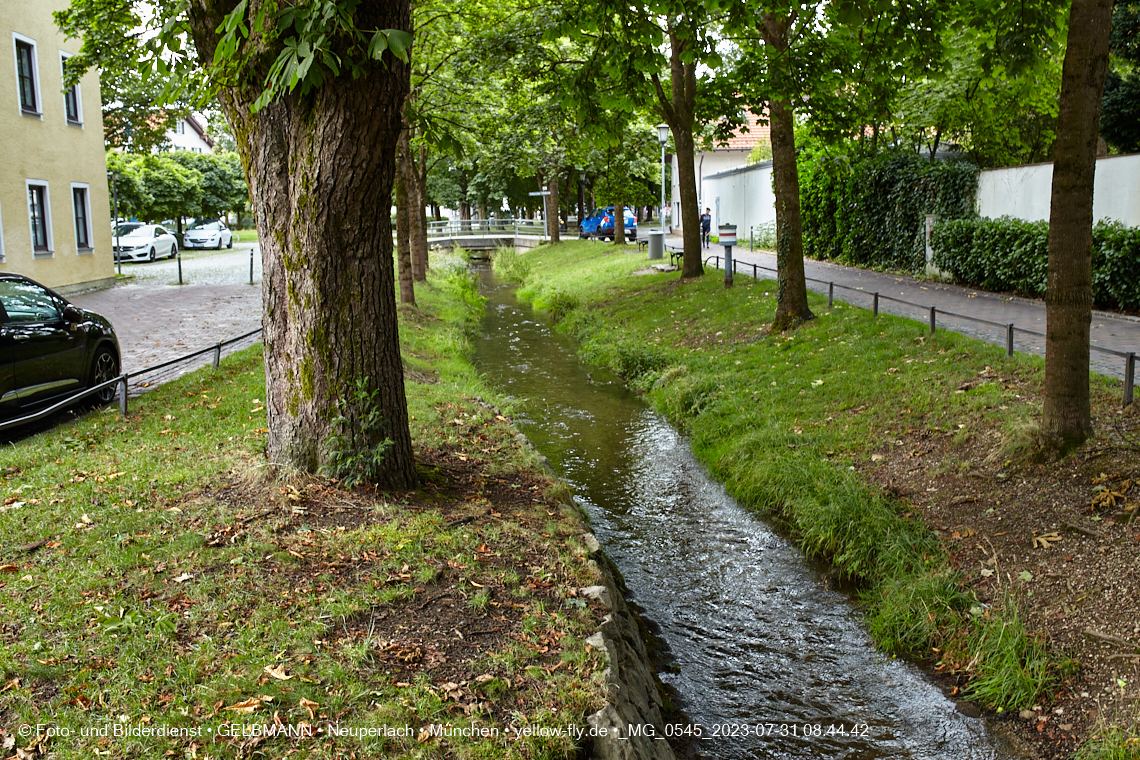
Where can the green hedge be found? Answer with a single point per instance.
(1011, 255)
(871, 211)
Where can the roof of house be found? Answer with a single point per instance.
(199, 129)
(740, 140)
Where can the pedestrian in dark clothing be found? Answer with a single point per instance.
(706, 227)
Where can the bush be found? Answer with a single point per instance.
(1012, 255)
(871, 211)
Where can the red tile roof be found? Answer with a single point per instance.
(757, 133)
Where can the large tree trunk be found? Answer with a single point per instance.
(417, 221)
(320, 170)
(1067, 417)
(791, 284)
(619, 222)
(552, 228)
(678, 110)
(403, 224)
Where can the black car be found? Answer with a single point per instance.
(49, 348)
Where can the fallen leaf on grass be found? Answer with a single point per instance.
(1025, 575)
(1043, 541)
(183, 578)
(9, 568)
(311, 706)
(278, 673)
(249, 705)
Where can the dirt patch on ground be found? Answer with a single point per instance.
(1062, 539)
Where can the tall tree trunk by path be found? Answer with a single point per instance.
(320, 170)
(553, 230)
(403, 227)
(678, 110)
(619, 223)
(1066, 415)
(417, 221)
(791, 284)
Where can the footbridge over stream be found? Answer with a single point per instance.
(487, 234)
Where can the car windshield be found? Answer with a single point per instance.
(128, 228)
(141, 231)
(596, 213)
(207, 226)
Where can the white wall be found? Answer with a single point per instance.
(742, 197)
(705, 163)
(1023, 191)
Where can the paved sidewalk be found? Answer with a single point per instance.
(158, 320)
(1110, 331)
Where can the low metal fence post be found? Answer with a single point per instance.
(217, 355)
(123, 395)
(179, 266)
(875, 306)
(1129, 377)
(250, 266)
(932, 310)
(1009, 340)
(830, 294)
(754, 276)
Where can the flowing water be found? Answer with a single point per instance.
(756, 635)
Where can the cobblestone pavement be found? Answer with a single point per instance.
(1109, 331)
(158, 320)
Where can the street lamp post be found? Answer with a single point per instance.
(662, 137)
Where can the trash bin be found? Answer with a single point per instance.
(656, 245)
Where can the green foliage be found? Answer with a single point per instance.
(222, 186)
(909, 613)
(1113, 744)
(355, 451)
(870, 211)
(1011, 255)
(1120, 112)
(1014, 668)
(764, 236)
(510, 266)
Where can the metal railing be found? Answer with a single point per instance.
(932, 313)
(122, 382)
(503, 227)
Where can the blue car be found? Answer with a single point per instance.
(600, 224)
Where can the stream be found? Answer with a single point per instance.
(754, 632)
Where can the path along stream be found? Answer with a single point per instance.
(755, 634)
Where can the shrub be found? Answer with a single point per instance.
(1012, 255)
(871, 211)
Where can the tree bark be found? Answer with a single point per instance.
(403, 226)
(417, 220)
(791, 283)
(619, 223)
(1067, 415)
(553, 229)
(678, 110)
(320, 170)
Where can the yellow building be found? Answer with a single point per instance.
(55, 219)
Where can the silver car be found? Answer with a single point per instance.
(144, 242)
(208, 235)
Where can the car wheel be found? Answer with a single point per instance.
(152, 253)
(231, 245)
(173, 250)
(104, 368)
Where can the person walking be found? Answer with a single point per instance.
(706, 227)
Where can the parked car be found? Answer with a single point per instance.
(211, 234)
(49, 348)
(600, 224)
(146, 242)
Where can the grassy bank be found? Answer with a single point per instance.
(796, 426)
(155, 577)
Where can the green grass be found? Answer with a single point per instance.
(177, 572)
(1112, 744)
(790, 422)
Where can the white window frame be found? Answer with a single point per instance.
(86, 215)
(50, 252)
(63, 56)
(39, 112)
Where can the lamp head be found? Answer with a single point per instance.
(663, 133)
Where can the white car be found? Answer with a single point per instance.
(208, 235)
(144, 242)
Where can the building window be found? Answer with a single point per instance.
(39, 215)
(81, 208)
(180, 127)
(72, 104)
(26, 79)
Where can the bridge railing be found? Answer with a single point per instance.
(504, 227)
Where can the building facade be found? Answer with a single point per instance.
(55, 219)
(189, 134)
